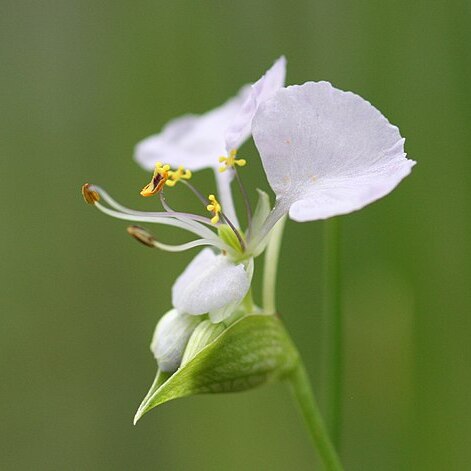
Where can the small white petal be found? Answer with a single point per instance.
(210, 283)
(170, 338)
(263, 89)
(327, 152)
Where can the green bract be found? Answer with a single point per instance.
(253, 351)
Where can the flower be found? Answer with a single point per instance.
(325, 152)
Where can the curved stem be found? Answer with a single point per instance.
(271, 266)
(307, 403)
(332, 336)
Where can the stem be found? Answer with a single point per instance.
(271, 266)
(307, 403)
(332, 329)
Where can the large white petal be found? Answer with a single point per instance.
(210, 283)
(170, 338)
(327, 152)
(263, 89)
(194, 141)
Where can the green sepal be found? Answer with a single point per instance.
(227, 235)
(262, 210)
(253, 351)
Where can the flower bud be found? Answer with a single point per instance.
(250, 352)
(170, 338)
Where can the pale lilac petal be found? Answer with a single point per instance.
(194, 141)
(265, 87)
(327, 152)
(209, 283)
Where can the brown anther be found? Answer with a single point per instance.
(161, 174)
(155, 186)
(90, 196)
(141, 235)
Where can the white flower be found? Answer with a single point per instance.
(326, 152)
(211, 284)
(170, 338)
(197, 141)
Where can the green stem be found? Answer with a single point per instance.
(270, 267)
(307, 403)
(332, 329)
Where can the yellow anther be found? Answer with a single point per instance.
(215, 208)
(231, 161)
(160, 176)
(176, 175)
(90, 196)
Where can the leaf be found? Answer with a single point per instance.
(253, 351)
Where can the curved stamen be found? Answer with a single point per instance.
(201, 231)
(114, 204)
(183, 247)
(146, 238)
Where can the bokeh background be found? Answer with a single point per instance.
(81, 83)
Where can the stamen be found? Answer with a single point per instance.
(146, 238)
(188, 217)
(231, 161)
(141, 235)
(160, 176)
(215, 208)
(90, 196)
(175, 176)
(189, 222)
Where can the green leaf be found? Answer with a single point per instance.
(253, 351)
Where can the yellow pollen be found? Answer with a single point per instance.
(160, 176)
(231, 161)
(90, 196)
(215, 208)
(175, 176)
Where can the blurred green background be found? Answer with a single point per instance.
(82, 82)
